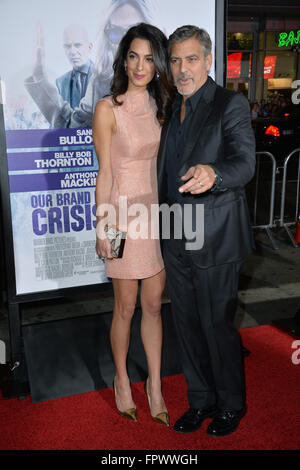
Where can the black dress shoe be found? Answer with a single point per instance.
(225, 422)
(192, 419)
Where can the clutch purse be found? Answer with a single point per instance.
(117, 240)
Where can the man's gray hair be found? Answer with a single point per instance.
(190, 31)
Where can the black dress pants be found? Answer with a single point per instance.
(204, 303)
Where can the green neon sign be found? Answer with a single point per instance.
(289, 39)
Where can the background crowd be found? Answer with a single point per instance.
(270, 107)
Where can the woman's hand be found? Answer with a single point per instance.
(103, 249)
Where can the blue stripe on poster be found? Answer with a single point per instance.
(48, 138)
(52, 181)
(18, 161)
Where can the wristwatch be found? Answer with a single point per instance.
(217, 183)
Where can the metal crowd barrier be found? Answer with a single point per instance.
(270, 223)
(282, 221)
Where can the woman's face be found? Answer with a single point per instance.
(121, 20)
(139, 64)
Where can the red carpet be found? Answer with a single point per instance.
(89, 421)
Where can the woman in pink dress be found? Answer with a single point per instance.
(126, 133)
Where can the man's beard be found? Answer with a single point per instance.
(185, 76)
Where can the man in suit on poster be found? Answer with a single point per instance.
(73, 84)
(206, 156)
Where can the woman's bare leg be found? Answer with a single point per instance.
(125, 295)
(151, 334)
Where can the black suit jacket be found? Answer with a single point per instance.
(220, 135)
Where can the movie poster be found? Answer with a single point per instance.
(56, 63)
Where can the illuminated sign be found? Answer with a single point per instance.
(269, 66)
(234, 61)
(237, 65)
(289, 39)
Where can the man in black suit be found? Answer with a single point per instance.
(206, 156)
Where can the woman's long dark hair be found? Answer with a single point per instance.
(160, 88)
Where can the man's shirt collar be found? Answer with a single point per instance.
(192, 101)
(84, 69)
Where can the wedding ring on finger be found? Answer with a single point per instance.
(200, 184)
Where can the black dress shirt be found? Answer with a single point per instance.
(176, 142)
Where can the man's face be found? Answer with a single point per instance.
(188, 66)
(77, 46)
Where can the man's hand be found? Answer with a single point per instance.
(39, 66)
(200, 178)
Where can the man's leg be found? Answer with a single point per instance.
(195, 355)
(217, 289)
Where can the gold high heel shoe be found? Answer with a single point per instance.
(130, 414)
(161, 418)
